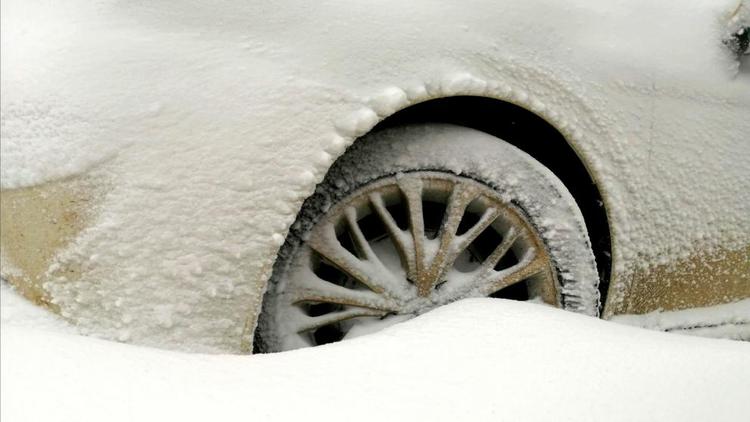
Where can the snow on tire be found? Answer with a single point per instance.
(415, 217)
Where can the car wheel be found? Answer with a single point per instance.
(415, 217)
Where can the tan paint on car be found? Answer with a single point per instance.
(700, 281)
(36, 223)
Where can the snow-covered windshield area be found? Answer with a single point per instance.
(474, 360)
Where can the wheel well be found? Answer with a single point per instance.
(535, 136)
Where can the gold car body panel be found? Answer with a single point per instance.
(703, 280)
(36, 224)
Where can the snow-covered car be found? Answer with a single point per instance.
(477, 360)
(178, 175)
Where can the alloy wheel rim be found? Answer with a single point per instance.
(405, 244)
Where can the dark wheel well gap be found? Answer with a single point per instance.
(535, 136)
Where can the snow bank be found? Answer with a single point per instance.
(473, 360)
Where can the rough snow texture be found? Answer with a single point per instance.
(731, 320)
(211, 123)
(475, 360)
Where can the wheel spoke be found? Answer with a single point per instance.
(312, 323)
(324, 242)
(316, 290)
(446, 254)
(500, 250)
(499, 280)
(460, 198)
(412, 190)
(400, 239)
(489, 216)
(358, 238)
(451, 252)
(451, 244)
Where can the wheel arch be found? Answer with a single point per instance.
(533, 134)
(569, 123)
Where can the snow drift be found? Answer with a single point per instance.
(473, 360)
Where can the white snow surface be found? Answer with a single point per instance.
(209, 123)
(15, 311)
(473, 360)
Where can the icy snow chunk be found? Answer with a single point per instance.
(277, 239)
(357, 123)
(462, 83)
(417, 92)
(389, 101)
(305, 178)
(337, 144)
(324, 159)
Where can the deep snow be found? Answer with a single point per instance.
(474, 360)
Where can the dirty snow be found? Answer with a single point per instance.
(477, 360)
(211, 123)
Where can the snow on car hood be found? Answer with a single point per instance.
(478, 360)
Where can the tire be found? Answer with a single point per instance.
(447, 198)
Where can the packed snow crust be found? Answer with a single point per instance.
(209, 124)
(477, 360)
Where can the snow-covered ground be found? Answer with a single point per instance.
(473, 360)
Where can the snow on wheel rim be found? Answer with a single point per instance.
(402, 245)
